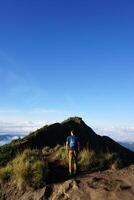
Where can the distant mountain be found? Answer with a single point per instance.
(57, 133)
(6, 138)
(128, 145)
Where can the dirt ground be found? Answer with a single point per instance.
(106, 185)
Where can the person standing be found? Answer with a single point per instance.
(72, 147)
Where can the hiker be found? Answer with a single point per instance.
(72, 147)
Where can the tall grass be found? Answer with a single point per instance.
(7, 153)
(27, 170)
(90, 160)
(61, 154)
(47, 150)
(6, 173)
(109, 161)
(86, 159)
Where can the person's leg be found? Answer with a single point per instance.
(73, 157)
(70, 161)
(75, 161)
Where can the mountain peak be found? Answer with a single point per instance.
(57, 133)
(75, 119)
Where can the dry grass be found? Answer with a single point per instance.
(117, 164)
(47, 150)
(61, 154)
(108, 160)
(86, 159)
(29, 169)
(90, 160)
(5, 173)
(26, 170)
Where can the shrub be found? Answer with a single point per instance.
(7, 153)
(61, 155)
(106, 160)
(29, 170)
(86, 159)
(46, 150)
(90, 160)
(110, 157)
(117, 164)
(5, 173)
(39, 174)
(57, 147)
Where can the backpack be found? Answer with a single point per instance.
(73, 142)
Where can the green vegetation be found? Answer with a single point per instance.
(7, 153)
(5, 173)
(77, 120)
(36, 159)
(86, 159)
(47, 150)
(58, 153)
(26, 170)
(117, 164)
(89, 160)
(29, 170)
(61, 155)
(109, 161)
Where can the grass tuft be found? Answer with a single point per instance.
(26, 170)
(5, 173)
(86, 159)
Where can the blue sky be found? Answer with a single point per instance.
(65, 58)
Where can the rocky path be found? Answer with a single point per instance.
(106, 185)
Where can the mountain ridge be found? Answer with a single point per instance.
(53, 134)
(36, 166)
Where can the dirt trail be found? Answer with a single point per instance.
(106, 185)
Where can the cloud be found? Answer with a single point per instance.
(123, 134)
(19, 127)
(14, 120)
(20, 120)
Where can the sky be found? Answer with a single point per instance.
(67, 58)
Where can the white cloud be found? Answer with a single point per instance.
(19, 127)
(123, 134)
(24, 121)
(15, 120)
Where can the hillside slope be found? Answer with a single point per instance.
(36, 167)
(51, 135)
(57, 133)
